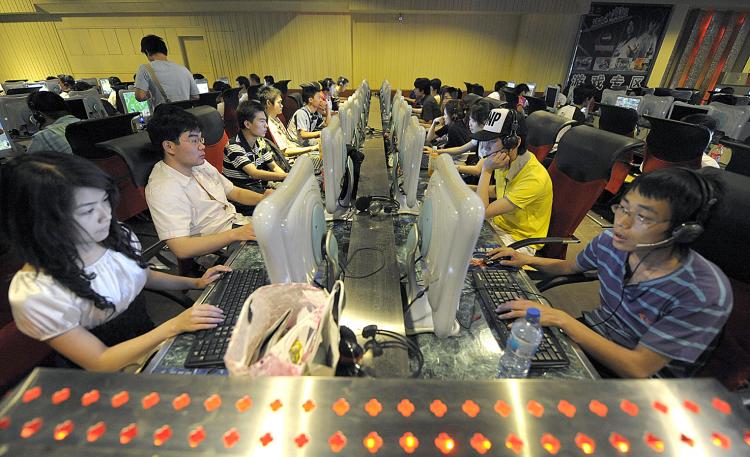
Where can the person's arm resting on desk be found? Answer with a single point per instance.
(305, 135)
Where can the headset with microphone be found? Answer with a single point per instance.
(376, 204)
(512, 140)
(687, 232)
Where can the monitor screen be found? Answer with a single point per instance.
(628, 102)
(105, 87)
(511, 84)
(35, 85)
(550, 96)
(532, 88)
(679, 110)
(202, 85)
(132, 105)
(225, 80)
(5, 145)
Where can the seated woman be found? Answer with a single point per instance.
(270, 98)
(80, 288)
(450, 126)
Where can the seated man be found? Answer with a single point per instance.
(661, 303)
(429, 107)
(66, 85)
(583, 97)
(523, 187)
(271, 99)
(187, 196)
(51, 114)
(248, 159)
(304, 124)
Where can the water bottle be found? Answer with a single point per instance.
(523, 341)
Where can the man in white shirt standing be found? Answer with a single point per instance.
(187, 196)
(161, 80)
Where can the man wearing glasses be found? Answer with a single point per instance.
(187, 196)
(661, 303)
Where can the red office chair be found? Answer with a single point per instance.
(212, 129)
(581, 169)
(543, 131)
(673, 143)
(231, 99)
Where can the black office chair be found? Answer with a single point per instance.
(208, 99)
(617, 119)
(535, 104)
(673, 143)
(77, 108)
(740, 161)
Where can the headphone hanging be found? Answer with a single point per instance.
(375, 205)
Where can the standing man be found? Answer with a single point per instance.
(160, 80)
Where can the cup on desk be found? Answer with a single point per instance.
(433, 156)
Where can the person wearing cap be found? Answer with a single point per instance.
(429, 107)
(303, 126)
(271, 99)
(66, 85)
(160, 80)
(523, 206)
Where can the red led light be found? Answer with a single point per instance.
(598, 408)
(503, 408)
(95, 431)
(692, 407)
(470, 408)
(566, 408)
(62, 430)
(747, 438)
(150, 400)
(654, 442)
(340, 407)
(585, 443)
(408, 442)
(276, 405)
(4, 422)
(162, 435)
(438, 408)
(61, 396)
(661, 407)
(721, 406)
(308, 406)
(550, 443)
(445, 443)
(301, 440)
(480, 443)
(337, 442)
(196, 436)
(373, 442)
(687, 440)
(89, 398)
(120, 398)
(128, 433)
(31, 394)
(181, 401)
(243, 404)
(629, 408)
(266, 439)
(373, 407)
(231, 436)
(514, 443)
(535, 408)
(211, 403)
(405, 407)
(720, 440)
(30, 428)
(619, 442)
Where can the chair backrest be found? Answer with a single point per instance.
(656, 106)
(534, 104)
(740, 161)
(609, 96)
(84, 135)
(212, 129)
(580, 170)
(617, 119)
(208, 99)
(231, 99)
(184, 104)
(291, 105)
(683, 94)
(730, 119)
(726, 237)
(673, 143)
(543, 129)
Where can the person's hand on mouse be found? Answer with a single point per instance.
(512, 258)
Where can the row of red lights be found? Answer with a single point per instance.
(373, 407)
(373, 442)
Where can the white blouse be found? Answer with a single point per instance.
(43, 308)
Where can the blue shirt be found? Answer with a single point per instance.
(677, 315)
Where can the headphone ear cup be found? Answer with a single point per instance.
(363, 203)
(687, 233)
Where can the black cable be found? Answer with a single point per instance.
(419, 295)
(380, 267)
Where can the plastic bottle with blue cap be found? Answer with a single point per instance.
(522, 344)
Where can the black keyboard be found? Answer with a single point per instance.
(497, 286)
(210, 345)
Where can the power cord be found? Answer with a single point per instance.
(364, 276)
(396, 340)
(419, 295)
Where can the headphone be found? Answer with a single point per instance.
(689, 231)
(374, 205)
(351, 352)
(511, 141)
(36, 115)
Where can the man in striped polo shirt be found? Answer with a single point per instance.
(661, 303)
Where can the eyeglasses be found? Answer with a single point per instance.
(639, 219)
(193, 140)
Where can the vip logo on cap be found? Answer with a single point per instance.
(496, 120)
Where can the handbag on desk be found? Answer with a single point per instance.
(293, 331)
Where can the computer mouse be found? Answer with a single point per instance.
(496, 261)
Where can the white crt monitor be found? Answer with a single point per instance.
(337, 169)
(202, 85)
(444, 236)
(346, 118)
(409, 161)
(290, 226)
(550, 96)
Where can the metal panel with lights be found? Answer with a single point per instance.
(75, 413)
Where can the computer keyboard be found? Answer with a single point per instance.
(497, 286)
(229, 294)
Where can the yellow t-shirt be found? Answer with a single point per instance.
(530, 190)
